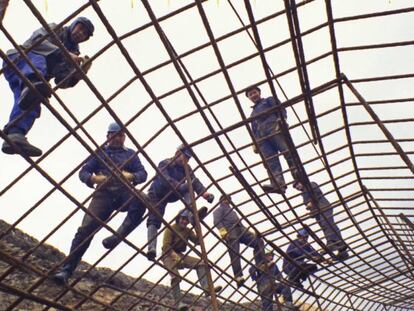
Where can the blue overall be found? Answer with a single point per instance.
(111, 196)
(160, 193)
(324, 217)
(44, 57)
(297, 250)
(268, 126)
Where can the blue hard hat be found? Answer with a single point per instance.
(114, 128)
(182, 214)
(185, 150)
(303, 232)
(85, 22)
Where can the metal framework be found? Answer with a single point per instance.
(376, 222)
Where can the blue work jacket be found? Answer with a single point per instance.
(265, 124)
(124, 158)
(174, 173)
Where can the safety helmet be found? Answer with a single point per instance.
(182, 214)
(186, 150)
(114, 128)
(268, 250)
(303, 233)
(86, 23)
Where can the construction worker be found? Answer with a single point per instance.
(174, 257)
(111, 194)
(267, 131)
(164, 188)
(266, 276)
(49, 61)
(300, 251)
(323, 214)
(234, 233)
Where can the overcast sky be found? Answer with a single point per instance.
(186, 31)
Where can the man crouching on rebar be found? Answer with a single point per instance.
(174, 257)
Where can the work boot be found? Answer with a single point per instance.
(289, 305)
(338, 245)
(217, 289)
(29, 98)
(202, 212)
(62, 277)
(152, 232)
(182, 307)
(342, 255)
(151, 254)
(125, 229)
(24, 147)
(272, 188)
(240, 281)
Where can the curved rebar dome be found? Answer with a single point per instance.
(175, 72)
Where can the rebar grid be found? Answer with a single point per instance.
(375, 220)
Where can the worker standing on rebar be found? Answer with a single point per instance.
(323, 213)
(266, 276)
(169, 186)
(267, 131)
(174, 258)
(49, 61)
(234, 233)
(111, 194)
(300, 251)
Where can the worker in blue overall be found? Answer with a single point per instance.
(111, 194)
(47, 57)
(267, 131)
(301, 252)
(169, 186)
(268, 280)
(323, 213)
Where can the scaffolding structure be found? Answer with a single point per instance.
(376, 221)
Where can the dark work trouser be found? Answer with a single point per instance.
(102, 205)
(327, 223)
(270, 147)
(268, 289)
(239, 235)
(301, 273)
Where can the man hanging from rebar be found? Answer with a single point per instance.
(323, 213)
(234, 233)
(301, 252)
(45, 55)
(268, 279)
(174, 258)
(111, 194)
(267, 131)
(167, 187)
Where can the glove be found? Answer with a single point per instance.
(255, 149)
(98, 179)
(63, 69)
(223, 233)
(209, 197)
(128, 176)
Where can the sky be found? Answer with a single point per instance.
(110, 71)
